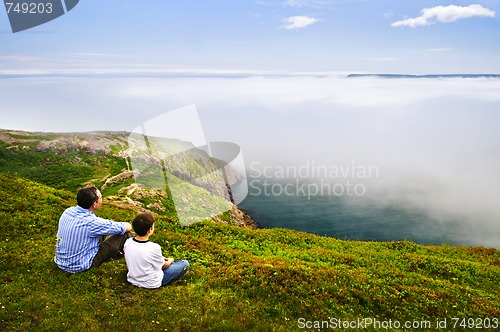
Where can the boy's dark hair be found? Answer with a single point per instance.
(87, 196)
(142, 223)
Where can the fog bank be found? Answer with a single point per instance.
(435, 142)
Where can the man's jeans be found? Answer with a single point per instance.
(109, 248)
(175, 271)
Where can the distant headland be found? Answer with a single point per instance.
(426, 75)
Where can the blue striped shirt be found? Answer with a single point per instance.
(78, 238)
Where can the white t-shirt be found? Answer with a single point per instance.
(144, 261)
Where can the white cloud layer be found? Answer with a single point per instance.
(436, 142)
(445, 14)
(297, 22)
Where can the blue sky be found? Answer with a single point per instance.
(263, 35)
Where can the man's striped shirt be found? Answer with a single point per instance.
(78, 238)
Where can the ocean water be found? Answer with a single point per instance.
(354, 218)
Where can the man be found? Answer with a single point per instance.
(78, 246)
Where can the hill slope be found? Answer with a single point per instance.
(104, 159)
(241, 279)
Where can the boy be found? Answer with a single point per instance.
(147, 267)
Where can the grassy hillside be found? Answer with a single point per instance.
(241, 280)
(69, 161)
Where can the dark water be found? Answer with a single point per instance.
(352, 218)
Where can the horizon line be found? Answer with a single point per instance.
(228, 73)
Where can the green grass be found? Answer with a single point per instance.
(240, 280)
(63, 171)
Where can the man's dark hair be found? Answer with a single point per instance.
(142, 223)
(87, 196)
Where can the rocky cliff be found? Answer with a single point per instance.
(141, 183)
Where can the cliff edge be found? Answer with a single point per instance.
(127, 176)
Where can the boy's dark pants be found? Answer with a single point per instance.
(109, 248)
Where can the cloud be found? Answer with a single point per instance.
(388, 15)
(19, 58)
(297, 22)
(445, 14)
